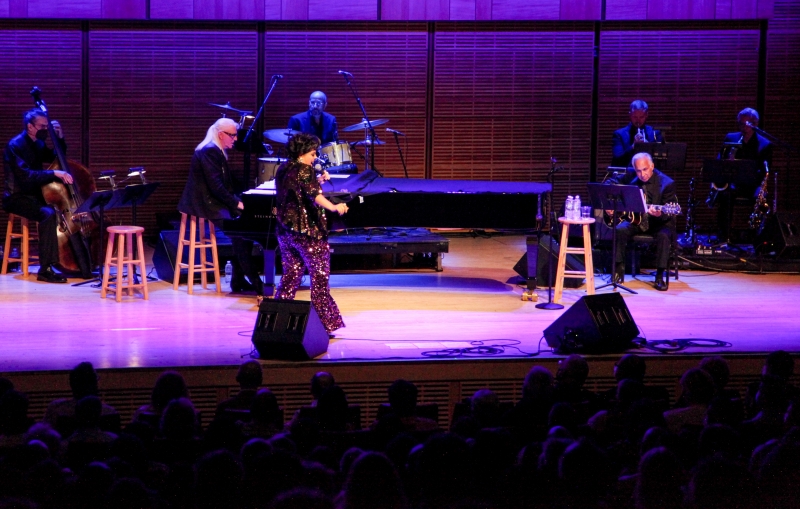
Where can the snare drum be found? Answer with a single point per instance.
(336, 153)
(267, 166)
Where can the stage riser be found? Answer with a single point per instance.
(444, 383)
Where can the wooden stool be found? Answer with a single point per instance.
(124, 260)
(197, 241)
(588, 273)
(24, 248)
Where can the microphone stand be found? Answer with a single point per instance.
(246, 142)
(400, 151)
(370, 159)
(551, 179)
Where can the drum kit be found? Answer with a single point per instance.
(335, 156)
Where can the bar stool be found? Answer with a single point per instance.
(24, 235)
(197, 241)
(124, 260)
(586, 251)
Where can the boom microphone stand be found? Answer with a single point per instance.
(551, 179)
(370, 159)
(246, 142)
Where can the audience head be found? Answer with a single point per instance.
(572, 371)
(771, 394)
(332, 410)
(179, 420)
(718, 483)
(403, 397)
(13, 413)
(660, 481)
(584, 471)
(631, 367)
(87, 412)
(170, 385)
(218, 479)
(697, 387)
(485, 405)
(265, 407)
(718, 368)
(538, 383)
(373, 483)
(319, 382)
(250, 375)
(83, 380)
(302, 498)
(779, 363)
(5, 385)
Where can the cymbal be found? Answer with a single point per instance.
(279, 135)
(368, 142)
(363, 125)
(227, 106)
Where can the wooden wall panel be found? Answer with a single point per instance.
(580, 10)
(149, 95)
(626, 9)
(171, 9)
(272, 10)
(124, 9)
(5, 8)
(514, 10)
(682, 9)
(691, 84)
(462, 10)
(545, 82)
(26, 52)
(90, 9)
(343, 10)
(780, 117)
(389, 70)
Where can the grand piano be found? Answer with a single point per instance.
(375, 201)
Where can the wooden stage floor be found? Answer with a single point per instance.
(389, 316)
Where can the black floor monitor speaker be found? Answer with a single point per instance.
(573, 263)
(289, 330)
(595, 324)
(780, 235)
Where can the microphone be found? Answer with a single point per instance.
(277, 76)
(345, 73)
(394, 132)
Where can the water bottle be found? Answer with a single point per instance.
(569, 207)
(228, 273)
(576, 208)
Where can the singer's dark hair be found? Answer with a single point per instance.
(748, 112)
(30, 116)
(301, 143)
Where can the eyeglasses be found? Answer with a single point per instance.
(40, 126)
(234, 135)
(317, 103)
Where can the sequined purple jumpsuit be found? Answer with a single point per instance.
(303, 240)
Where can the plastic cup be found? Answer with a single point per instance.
(586, 212)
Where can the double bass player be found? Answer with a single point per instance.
(24, 160)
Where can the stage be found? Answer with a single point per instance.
(421, 324)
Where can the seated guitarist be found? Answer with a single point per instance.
(658, 190)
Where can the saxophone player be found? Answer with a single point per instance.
(753, 147)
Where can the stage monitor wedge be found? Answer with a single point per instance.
(289, 330)
(595, 324)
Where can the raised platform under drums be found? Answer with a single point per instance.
(451, 332)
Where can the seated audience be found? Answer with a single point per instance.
(249, 377)
(697, 389)
(60, 413)
(169, 385)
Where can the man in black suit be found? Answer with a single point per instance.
(754, 147)
(315, 121)
(25, 158)
(658, 190)
(624, 139)
(209, 193)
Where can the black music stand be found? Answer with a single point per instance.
(739, 172)
(669, 158)
(618, 199)
(133, 195)
(98, 202)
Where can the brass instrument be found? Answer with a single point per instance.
(761, 207)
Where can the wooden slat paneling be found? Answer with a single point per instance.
(26, 52)
(783, 98)
(171, 9)
(343, 10)
(87, 9)
(514, 10)
(692, 83)
(149, 98)
(389, 70)
(506, 102)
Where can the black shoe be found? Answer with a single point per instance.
(48, 275)
(241, 285)
(660, 285)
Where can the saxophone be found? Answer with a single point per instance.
(762, 206)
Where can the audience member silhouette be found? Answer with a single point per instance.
(697, 388)
(169, 385)
(265, 421)
(249, 377)
(372, 483)
(60, 413)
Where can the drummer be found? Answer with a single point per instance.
(315, 121)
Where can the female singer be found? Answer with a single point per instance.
(302, 232)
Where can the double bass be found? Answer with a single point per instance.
(74, 229)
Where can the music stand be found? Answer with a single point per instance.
(739, 172)
(99, 202)
(133, 195)
(669, 158)
(619, 199)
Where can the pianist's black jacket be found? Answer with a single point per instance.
(209, 189)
